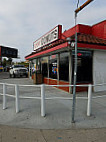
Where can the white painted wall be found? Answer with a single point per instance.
(99, 70)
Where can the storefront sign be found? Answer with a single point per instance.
(48, 38)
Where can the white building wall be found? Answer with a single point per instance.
(99, 70)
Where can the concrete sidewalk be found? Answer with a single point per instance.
(13, 134)
(29, 126)
(58, 112)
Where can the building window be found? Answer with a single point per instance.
(44, 62)
(34, 66)
(38, 65)
(53, 66)
(84, 66)
(64, 66)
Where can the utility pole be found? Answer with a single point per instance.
(75, 58)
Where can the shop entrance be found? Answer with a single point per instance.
(84, 67)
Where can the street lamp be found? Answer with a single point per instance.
(82, 6)
(75, 63)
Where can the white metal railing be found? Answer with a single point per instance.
(43, 98)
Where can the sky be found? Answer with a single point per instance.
(24, 21)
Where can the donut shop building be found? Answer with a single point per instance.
(53, 56)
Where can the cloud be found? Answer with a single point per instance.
(24, 21)
(92, 15)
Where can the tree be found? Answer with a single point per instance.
(10, 60)
(4, 62)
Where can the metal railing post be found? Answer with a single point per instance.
(17, 98)
(42, 100)
(89, 100)
(4, 96)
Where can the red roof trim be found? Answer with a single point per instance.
(47, 51)
(91, 46)
(82, 45)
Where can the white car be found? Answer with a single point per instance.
(18, 71)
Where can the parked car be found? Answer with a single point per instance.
(18, 71)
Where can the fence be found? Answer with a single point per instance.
(17, 96)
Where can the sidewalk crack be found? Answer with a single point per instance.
(43, 135)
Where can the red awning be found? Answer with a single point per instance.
(85, 41)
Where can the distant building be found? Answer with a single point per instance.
(54, 57)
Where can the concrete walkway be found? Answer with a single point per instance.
(13, 134)
(28, 125)
(58, 112)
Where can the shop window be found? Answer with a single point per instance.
(34, 66)
(44, 63)
(64, 66)
(38, 65)
(84, 66)
(53, 66)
